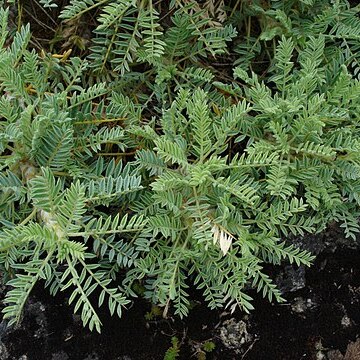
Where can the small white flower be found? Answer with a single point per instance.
(224, 238)
(52, 224)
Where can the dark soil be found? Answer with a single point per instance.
(319, 320)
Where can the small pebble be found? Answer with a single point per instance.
(346, 321)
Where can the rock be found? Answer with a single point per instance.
(335, 355)
(327, 241)
(3, 328)
(346, 321)
(92, 356)
(354, 293)
(300, 305)
(315, 243)
(353, 351)
(4, 355)
(291, 279)
(320, 355)
(234, 334)
(61, 355)
(37, 310)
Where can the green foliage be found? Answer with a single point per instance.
(173, 352)
(141, 164)
(208, 346)
(48, 3)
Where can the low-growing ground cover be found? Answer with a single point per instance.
(165, 149)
